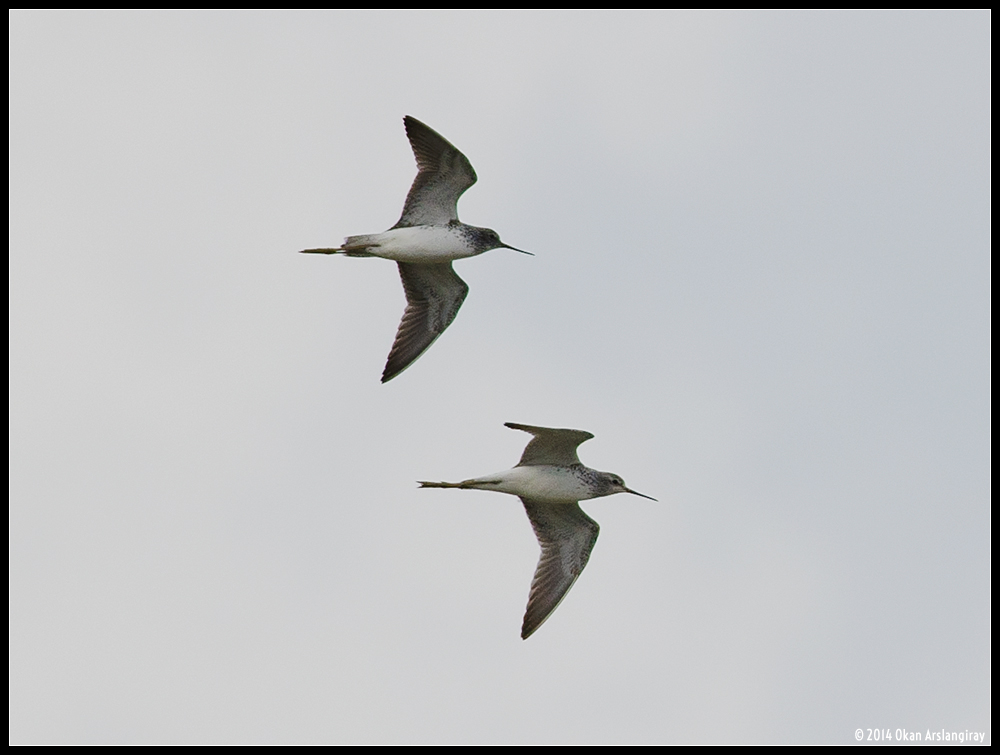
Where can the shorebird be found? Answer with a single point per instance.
(550, 481)
(424, 242)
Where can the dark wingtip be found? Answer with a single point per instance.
(394, 369)
(531, 625)
(391, 369)
(409, 122)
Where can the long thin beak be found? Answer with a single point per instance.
(640, 495)
(518, 250)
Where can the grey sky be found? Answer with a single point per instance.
(762, 281)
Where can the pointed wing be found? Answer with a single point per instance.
(550, 445)
(443, 175)
(434, 294)
(567, 537)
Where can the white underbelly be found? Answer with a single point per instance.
(540, 483)
(422, 243)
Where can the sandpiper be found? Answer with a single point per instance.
(550, 481)
(424, 242)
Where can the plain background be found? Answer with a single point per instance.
(762, 281)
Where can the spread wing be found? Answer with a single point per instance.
(443, 175)
(567, 537)
(434, 294)
(550, 445)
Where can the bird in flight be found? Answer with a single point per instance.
(425, 241)
(550, 481)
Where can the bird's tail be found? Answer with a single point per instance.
(354, 246)
(476, 483)
(358, 246)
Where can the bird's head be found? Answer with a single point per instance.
(612, 483)
(486, 238)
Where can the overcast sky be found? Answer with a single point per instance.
(762, 280)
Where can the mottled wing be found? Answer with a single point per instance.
(550, 446)
(443, 175)
(567, 537)
(434, 294)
